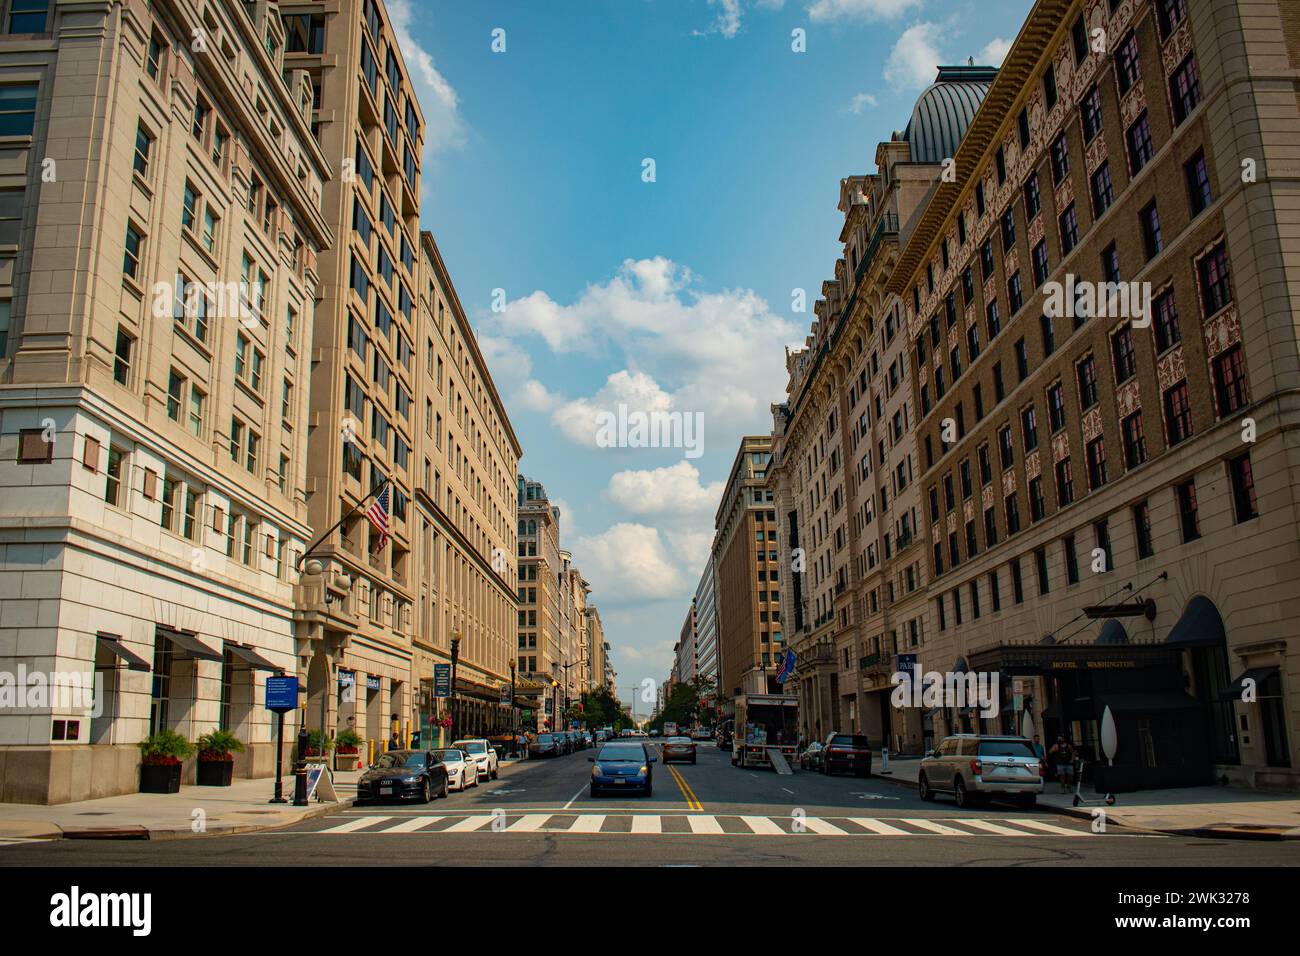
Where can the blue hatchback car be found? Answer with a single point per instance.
(622, 765)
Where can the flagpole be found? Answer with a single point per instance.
(297, 565)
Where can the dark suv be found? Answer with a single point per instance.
(846, 752)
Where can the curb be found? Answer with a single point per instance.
(143, 832)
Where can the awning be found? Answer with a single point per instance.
(189, 646)
(1200, 625)
(1112, 632)
(114, 643)
(1236, 689)
(257, 661)
(1150, 702)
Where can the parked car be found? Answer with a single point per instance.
(403, 775)
(976, 767)
(811, 758)
(678, 748)
(565, 744)
(483, 754)
(543, 745)
(462, 772)
(622, 766)
(654, 733)
(846, 752)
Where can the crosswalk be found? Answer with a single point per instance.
(695, 824)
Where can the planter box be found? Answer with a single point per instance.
(160, 778)
(346, 761)
(215, 773)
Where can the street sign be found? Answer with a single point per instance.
(347, 678)
(907, 665)
(372, 682)
(281, 693)
(506, 690)
(441, 680)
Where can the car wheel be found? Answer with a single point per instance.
(962, 794)
(649, 792)
(923, 789)
(692, 761)
(594, 792)
(428, 791)
(445, 790)
(1028, 800)
(495, 774)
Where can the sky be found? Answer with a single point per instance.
(628, 195)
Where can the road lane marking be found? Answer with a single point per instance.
(763, 826)
(1045, 827)
(934, 827)
(529, 823)
(586, 788)
(647, 824)
(414, 823)
(687, 793)
(878, 826)
(587, 823)
(468, 824)
(990, 827)
(707, 824)
(355, 824)
(818, 825)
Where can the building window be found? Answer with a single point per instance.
(1056, 406)
(1047, 326)
(18, 109)
(1215, 282)
(1022, 359)
(1243, 487)
(1037, 505)
(1142, 530)
(1004, 447)
(1017, 582)
(153, 60)
(1197, 174)
(1090, 111)
(1069, 230)
(1178, 413)
(1071, 559)
(175, 395)
(196, 411)
(143, 150)
(1121, 346)
(1166, 321)
(1040, 262)
(1086, 373)
(113, 487)
(1015, 295)
(1230, 381)
(1185, 89)
(1110, 263)
(1060, 159)
(1103, 191)
(1040, 564)
(1152, 241)
(122, 354)
(1013, 514)
(1135, 444)
(1096, 452)
(28, 16)
(1033, 197)
(1187, 511)
(131, 256)
(1064, 483)
(1140, 149)
(1128, 69)
(1029, 428)
(1008, 230)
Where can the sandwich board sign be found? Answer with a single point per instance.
(320, 784)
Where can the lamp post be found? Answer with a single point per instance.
(514, 711)
(555, 703)
(455, 656)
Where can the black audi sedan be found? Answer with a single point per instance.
(404, 775)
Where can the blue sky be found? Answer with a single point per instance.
(671, 295)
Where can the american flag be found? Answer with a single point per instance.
(378, 515)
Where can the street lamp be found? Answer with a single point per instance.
(555, 703)
(455, 656)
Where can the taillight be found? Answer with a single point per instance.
(976, 767)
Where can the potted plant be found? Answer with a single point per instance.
(161, 756)
(314, 744)
(217, 758)
(347, 755)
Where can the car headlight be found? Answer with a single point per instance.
(411, 779)
(644, 770)
(595, 770)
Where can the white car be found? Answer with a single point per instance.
(482, 753)
(462, 772)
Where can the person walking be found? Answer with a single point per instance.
(1062, 758)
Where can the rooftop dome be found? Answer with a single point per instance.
(941, 115)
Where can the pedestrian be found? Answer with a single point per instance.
(1062, 758)
(1038, 748)
(393, 742)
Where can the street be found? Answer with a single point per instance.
(539, 813)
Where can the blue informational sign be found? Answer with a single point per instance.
(347, 678)
(441, 680)
(281, 693)
(907, 665)
(372, 683)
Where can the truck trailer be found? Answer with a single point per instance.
(766, 724)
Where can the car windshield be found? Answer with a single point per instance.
(1006, 748)
(450, 756)
(394, 759)
(545, 739)
(620, 755)
(850, 740)
(472, 746)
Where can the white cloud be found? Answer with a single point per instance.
(822, 10)
(627, 562)
(693, 547)
(994, 52)
(913, 60)
(728, 19)
(860, 102)
(675, 490)
(444, 127)
(577, 418)
(512, 370)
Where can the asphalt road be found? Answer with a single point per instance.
(539, 812)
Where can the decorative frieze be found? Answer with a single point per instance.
(1132, 105)
(1222, 332)
(1033, 464)
(1171, 369)
(1060, 447)
(1177, 47)
(1128, 398)
(1008, 482)
(1091, 423)
(1094, 154)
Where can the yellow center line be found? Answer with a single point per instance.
(692, 802)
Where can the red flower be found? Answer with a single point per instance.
(160, 760)
(216, 756)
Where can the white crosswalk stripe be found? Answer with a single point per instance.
(702, 824)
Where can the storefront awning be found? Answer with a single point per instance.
(1200, 625)
(258, 662)
(1112, 632)
(189, 646)
(113, 643)
(1150, 702)
(1237, 689)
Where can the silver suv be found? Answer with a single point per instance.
(974, 768)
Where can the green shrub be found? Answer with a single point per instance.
(165, 747)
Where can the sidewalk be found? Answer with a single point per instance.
(1187, 811)
(240, 808)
